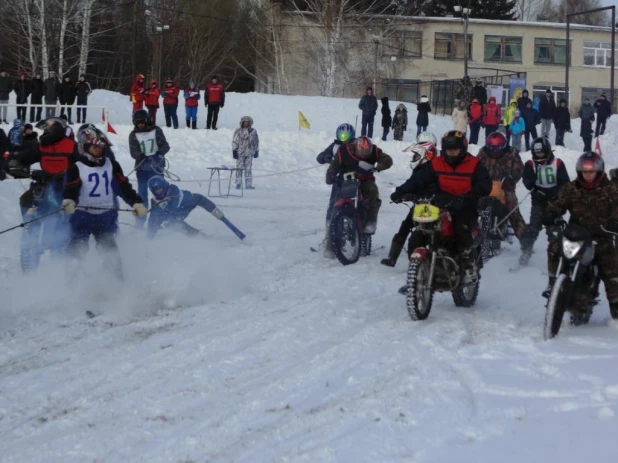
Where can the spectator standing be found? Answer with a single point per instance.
(460, 117)
(517, 127)
(245, 148)
(492, 115)
(604, 112)
(137, 93)
(480, 92)
(68, 92)
(508, 118)
(30, 139)
(475, 119)
(464, 90)
(547, 110)
(151, 99)
(586, 112)
(192, 97)
(22, 91)
(5, 89)
(522, 101)
(369, 106)
(532, 119)
(387, 119)
(214, 98)
(83, 90)
(170, 103)
(422, 118)
(562, 122)
(51, 89)
(36, 97)
(400, 121)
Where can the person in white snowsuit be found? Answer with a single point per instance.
(245, 147)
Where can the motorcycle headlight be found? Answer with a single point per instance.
(571, 248)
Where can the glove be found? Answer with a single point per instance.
(222, 105)
(68, 206)
(397, 196)
(365, 167)
(235, 154)
(139, 210)
(328, 158)
(538, 196)
(257, 153)
(549, 219)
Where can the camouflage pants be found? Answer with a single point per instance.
(605, 256)
(534, 227)
(372, 195)
(398, 132)
(515, 219)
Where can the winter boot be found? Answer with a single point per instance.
(393, 254)
(327, 244)
(550, 285)
(525, 257)
(194, 124)
(613, 309)
(468, 267)
(188, 123)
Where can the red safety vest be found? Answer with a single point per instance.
(455, 181)
(57, 158)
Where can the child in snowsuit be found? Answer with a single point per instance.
(532, 119)
(387, 119)
(422, 119)
(170, 206)
(460, 117)
(508, 118)
(16, 135)
(400, 122)
(517, 129)
(361, 157)
(245, 147)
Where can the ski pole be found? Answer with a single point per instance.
(30, 221)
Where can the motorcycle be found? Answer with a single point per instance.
(349, 241)
(495, 226)
(435, 267)
(577, 273)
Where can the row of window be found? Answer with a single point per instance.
(447, 45)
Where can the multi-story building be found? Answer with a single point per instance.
(404, 57)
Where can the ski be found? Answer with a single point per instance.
(233, 227)
(90, 314)
(314, 249)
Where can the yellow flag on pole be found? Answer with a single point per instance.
(302, 121)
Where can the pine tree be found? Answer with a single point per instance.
(481, 9)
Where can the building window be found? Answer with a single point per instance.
(598, 54)
(506, 49)
(451, 46)
(549, 51)
(404, 44)
(558, 92)
(407, 90)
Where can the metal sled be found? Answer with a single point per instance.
(222, 194)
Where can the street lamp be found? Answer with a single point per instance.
(465, 16)
(162, 27)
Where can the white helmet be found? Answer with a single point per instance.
(422, 153)
(425, 137)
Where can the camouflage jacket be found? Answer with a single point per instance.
(245, 141)
(464, 91)
(509, 167)
(590, 208)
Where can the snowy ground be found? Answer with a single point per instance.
(260, 351)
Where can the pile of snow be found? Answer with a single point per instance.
(221, 350)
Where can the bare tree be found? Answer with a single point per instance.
(557, 11)
(529, 10)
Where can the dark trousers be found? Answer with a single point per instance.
(35, 113)
(69, 111)
(419, 129)
(152, 113)
(560, 137)
(508, 136)
(600, 130)
(367, 125)
(587, 143)
(385, 131)
(21, 112)
(534, 227)
(212, 116)
(527, 134)
(489, 129)
(171, 115)
(81, 112)
(475, 128)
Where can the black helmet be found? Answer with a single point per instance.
(139, 116)
(54, 130)
(454, 140)
(541, 145)
(590, 161)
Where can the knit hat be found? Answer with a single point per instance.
(28, 127)
(548, 91)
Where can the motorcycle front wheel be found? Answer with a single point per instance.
(345, 236)
(419, 297)
(556, 307)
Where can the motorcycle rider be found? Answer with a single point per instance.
(592, 200)
(459, 174)
(421, 154)
(543, 176)
(345, 133)
(363, 157)
(505, 168)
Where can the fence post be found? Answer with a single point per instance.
(106, 112)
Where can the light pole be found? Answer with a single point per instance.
(162, 27)
(568, 49)
(465, 16)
